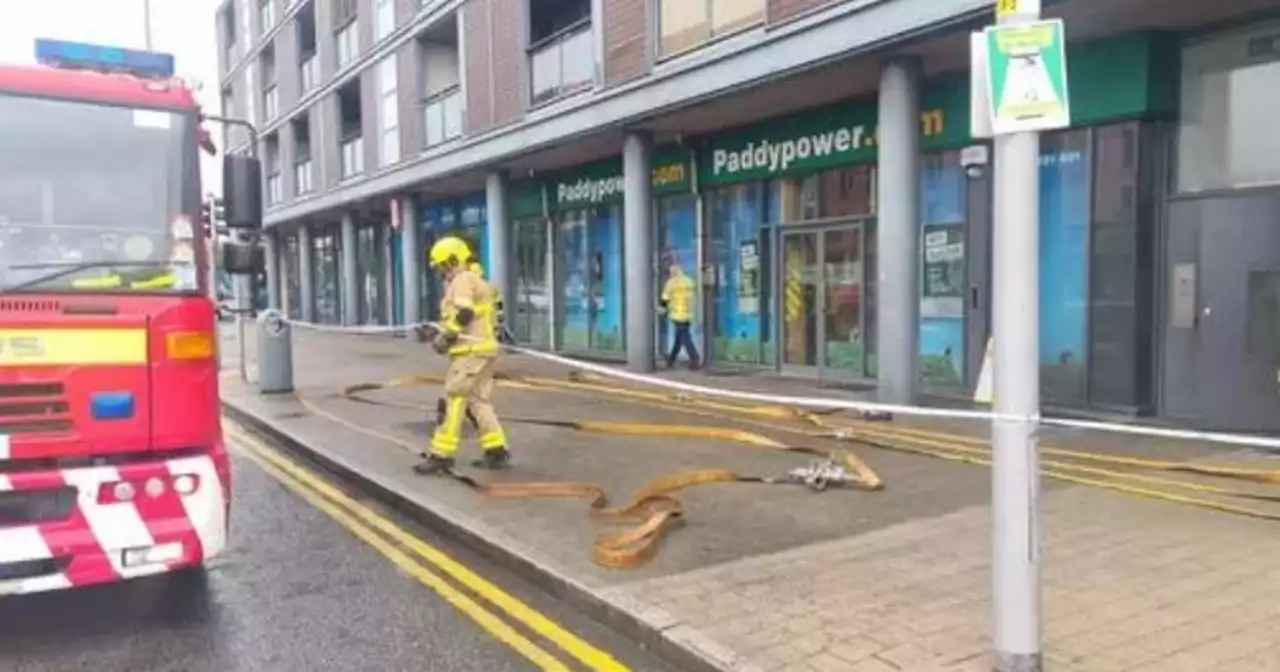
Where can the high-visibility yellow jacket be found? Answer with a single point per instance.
(469, 292)
(678, 296)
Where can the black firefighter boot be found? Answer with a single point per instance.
(494, 458)
(433, 464)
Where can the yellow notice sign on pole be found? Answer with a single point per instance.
(1007, 8)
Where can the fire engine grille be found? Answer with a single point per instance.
(28, 306)
(34, 408)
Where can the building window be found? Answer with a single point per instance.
(310, 72)
(442, 116)
(388, 112)
(267, 14)
(384, 19)
(685, 24)
(1226, 132)
(348, 39)
(250, 97)
(352, 157)
(271, 103)
(302, 176)
(562, 56)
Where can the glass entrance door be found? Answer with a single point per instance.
(844, 312)
(824, 301)
(801, 292)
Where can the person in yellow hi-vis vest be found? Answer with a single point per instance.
(468, 336)
(678, 295)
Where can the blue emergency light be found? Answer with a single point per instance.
(78, 55)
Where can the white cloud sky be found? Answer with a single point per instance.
(184, 28)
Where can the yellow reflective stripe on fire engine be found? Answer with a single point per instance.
(109, 281)
(62, 347)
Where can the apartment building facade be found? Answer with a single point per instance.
(809, 162)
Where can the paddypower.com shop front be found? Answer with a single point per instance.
(800, 192)
(586, 205)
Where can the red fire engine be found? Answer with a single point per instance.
(112, 464)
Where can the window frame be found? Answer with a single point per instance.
(713, 36)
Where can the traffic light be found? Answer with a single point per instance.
(212, 212)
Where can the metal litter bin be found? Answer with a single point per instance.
(275, 353)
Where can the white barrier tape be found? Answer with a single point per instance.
(1243, 440)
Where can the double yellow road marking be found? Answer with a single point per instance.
(426, 564)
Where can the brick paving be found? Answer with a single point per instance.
(887, 581)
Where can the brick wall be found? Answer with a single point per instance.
(506, 19)
(476, 63)
(625, 24)
(780, 11)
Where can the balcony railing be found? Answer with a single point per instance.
(352, 157)
(302, 177)
(442, 117)
(310, 73)
(563, 64)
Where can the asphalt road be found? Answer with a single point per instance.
(296, 591)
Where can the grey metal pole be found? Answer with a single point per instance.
(898, 231)
(146, 22)
(244, 301)
(1015, 482)
(637, 236)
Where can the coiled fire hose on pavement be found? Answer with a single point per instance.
(654, 508)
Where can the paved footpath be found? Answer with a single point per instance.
(773, 577)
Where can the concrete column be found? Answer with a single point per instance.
(271, 241)
(306, 291)
(411, 260)
(349, 285)
(637, 237)
(499, 230)
(898, 231)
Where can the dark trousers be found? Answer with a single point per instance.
(683, 340)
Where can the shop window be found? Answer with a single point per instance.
(1262, 322)
(1116, 269)
(325, 282)
(677, 246)
(1064, 264)
(839, 192)
(685, 24)
(292, 299)
(369, 274)
(531, 321)
(1227, 130)
(589, 246)
(944, 273)
(738, 257)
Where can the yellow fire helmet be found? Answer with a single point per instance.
(449, 250)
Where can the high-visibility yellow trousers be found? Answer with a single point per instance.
(469, 383)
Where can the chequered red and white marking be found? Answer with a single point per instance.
(95, 534)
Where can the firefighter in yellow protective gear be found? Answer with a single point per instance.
(468, 335)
